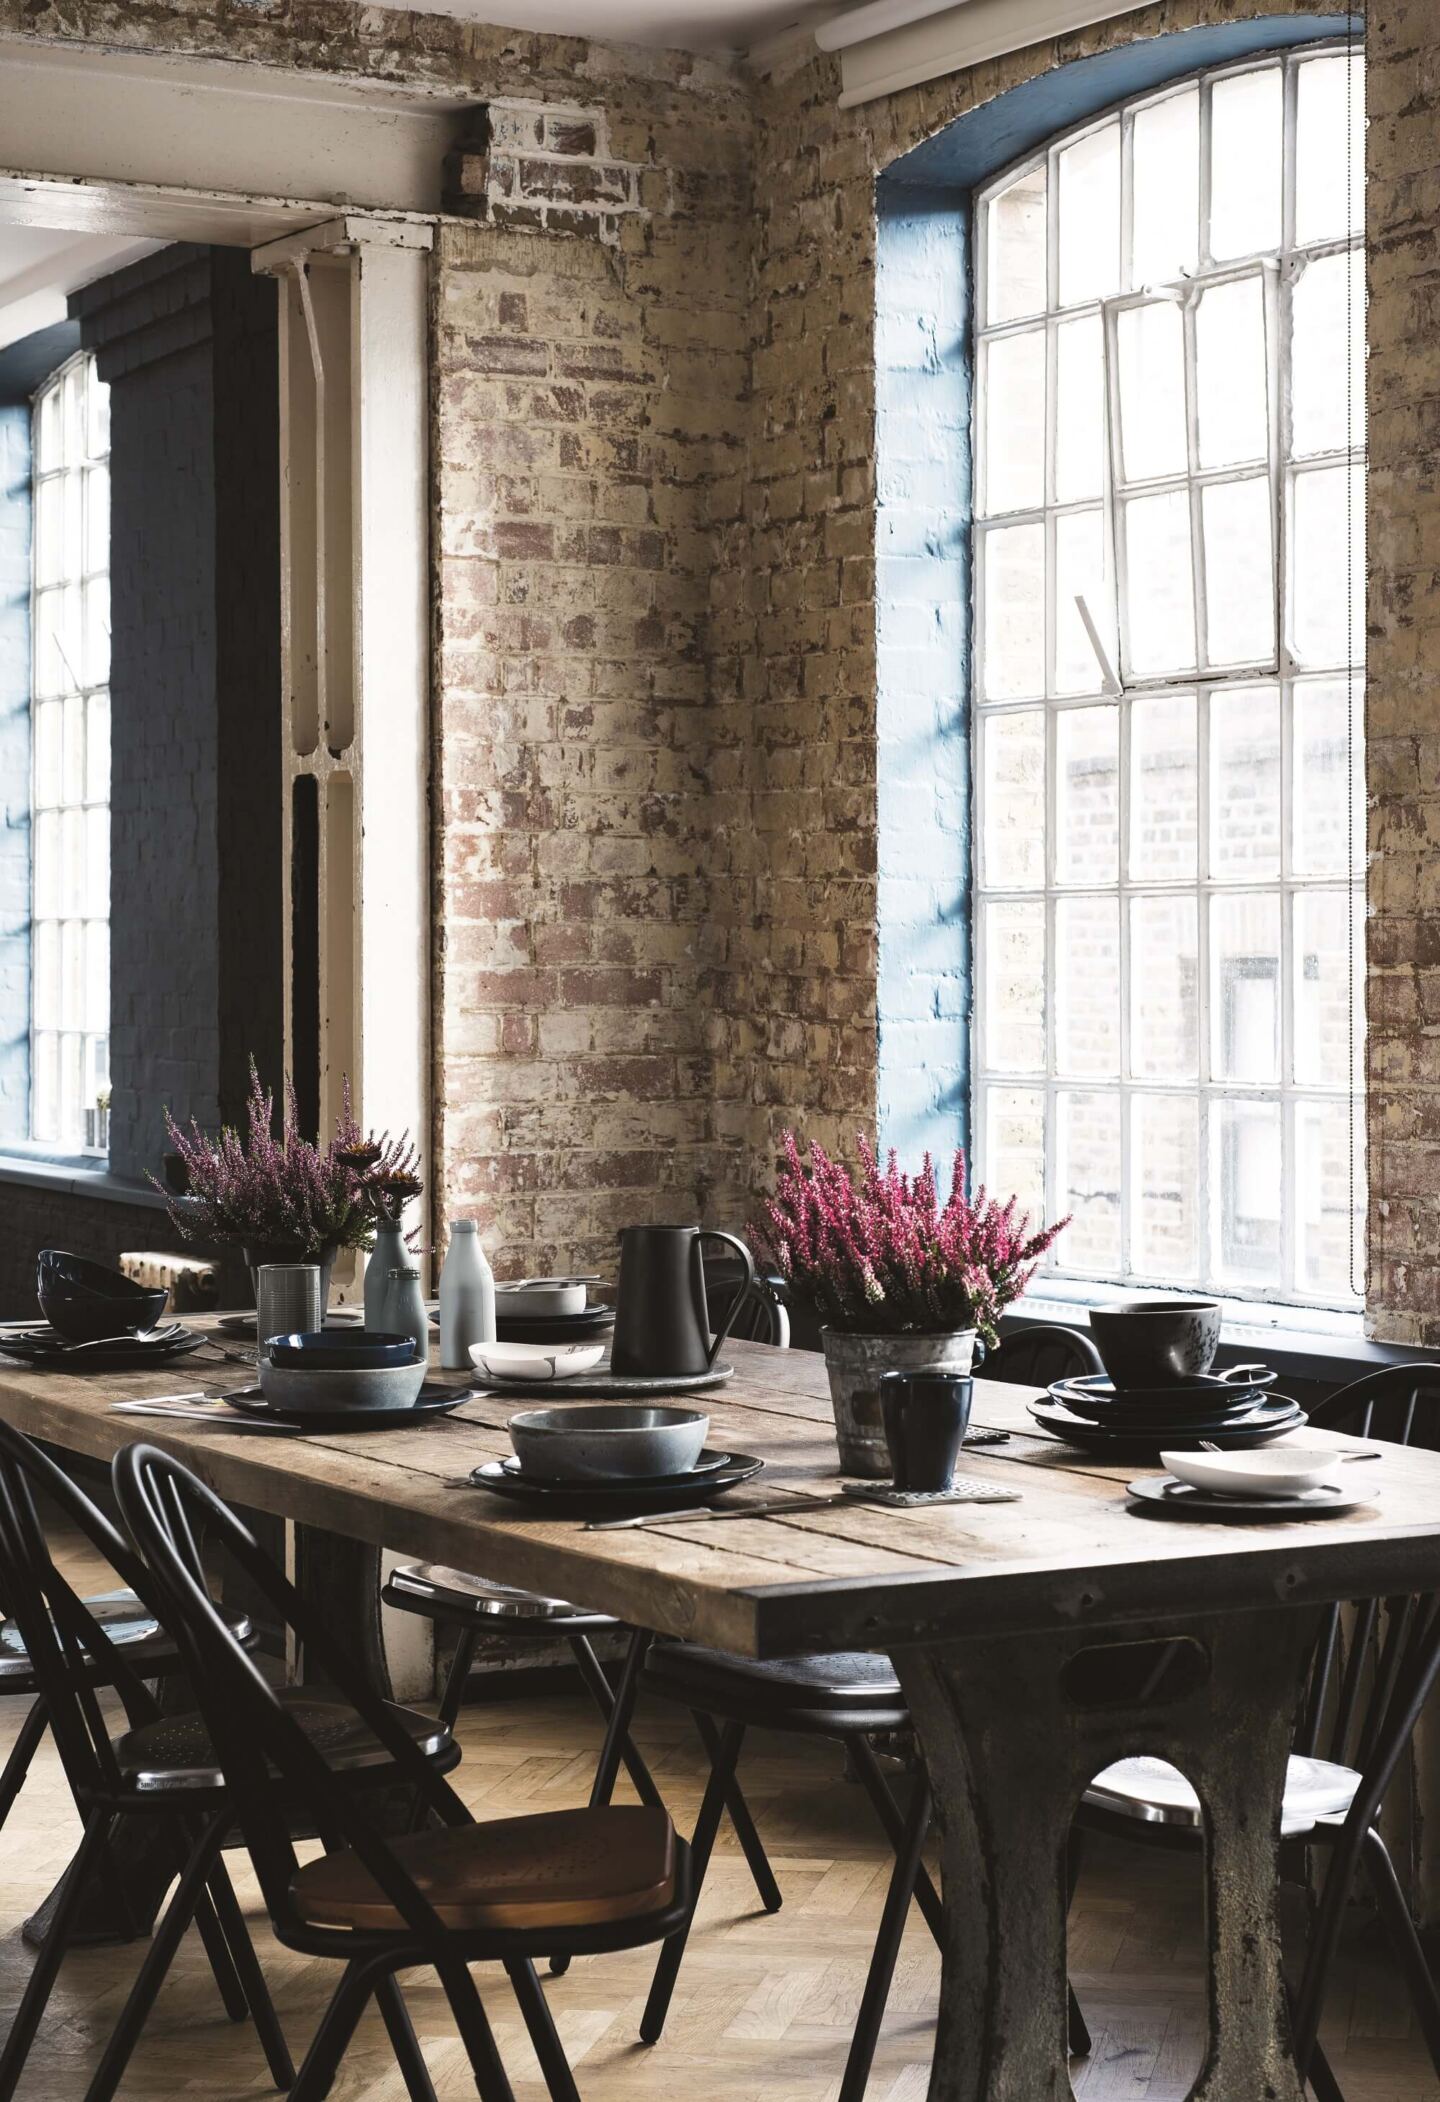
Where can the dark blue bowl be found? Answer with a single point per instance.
(341, 1350)
(84, 1301)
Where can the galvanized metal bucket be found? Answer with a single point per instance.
(855, 1364)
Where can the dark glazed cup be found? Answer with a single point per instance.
(1156, 1342)
(926, 1415)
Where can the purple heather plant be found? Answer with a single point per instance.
(262, 1190)
(879, 1256)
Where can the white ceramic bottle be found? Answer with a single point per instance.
(467, 1297)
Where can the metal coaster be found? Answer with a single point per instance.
(963, 1490)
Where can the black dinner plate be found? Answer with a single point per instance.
(432, 1400)
(708, 1462)
(601, 1499)
(553, 1328)
(45, 1351)
(1271, 1415)
(1181, 1500)
(1192, 1412)
(1096, 1390)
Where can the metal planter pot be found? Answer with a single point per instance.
(855, 1364)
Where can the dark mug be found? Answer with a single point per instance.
(926, 1415)
(662, 1317)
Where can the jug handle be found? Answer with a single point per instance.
(713, 1233)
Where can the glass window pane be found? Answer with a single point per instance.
(70, 1104)
(1245, 986)
(1151, 348)
(1087, 795)
(1160, 585)
(73, 749)
(1014, 612)
(1245, 782)
(1166, 189)
(45, 1085)
(1328, 788)
(72, 861)
(1015, 1146)
(1013, 805)
(1080, 572)
(97, 976)
(1239, 572)
(47, 615)
(1327, 352)
(1330, 1196)
(72, 978)
(98, 439)
(1231, 389)
(97, 631)
(47, 432)
(97, 863)
(1245, 164)
(1327, 566)
(1330, 148)
(1163, 787)
(1015, 249)
(1089, 216)
(1165, 1178)
(74, 413)
(1013, 384)
(1079, 410)
(97, 518)
(1247, 1178)
(1329, 988)
(1014, 1019)
(45, 965)
(1087, 986)
(1164, 988)
(97, 749)
(48, 722)
(1087, 1148)
(49, 532)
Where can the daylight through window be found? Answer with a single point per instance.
(1170, 634)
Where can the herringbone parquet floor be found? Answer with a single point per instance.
(764, 2005)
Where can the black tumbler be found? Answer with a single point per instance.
(926, 1415)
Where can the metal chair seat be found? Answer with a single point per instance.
(1156, 1793)
(127, 1625)
(439, 1593)
(827, 1687)
(176, 1752)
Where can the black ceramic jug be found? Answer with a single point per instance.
(662, 1320)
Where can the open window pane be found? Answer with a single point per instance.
(1246, 163)
(1163, 788)
(1239, 572)
(1013, 787)
(1080, 573)
(1087, 986)
(1087, 1146)
(1329, 148)
(1232, 391)
(1089, 216)
(1013, 384)
(1165, 1170)
(1079, 410)
(1015, 248)
(1160, 598)
(1014, 940)
(1014, 612)
(1327, 386)
(1245, 783)
(1164, 988)
(1087, 794)
(1151, 349)
(1166, 190)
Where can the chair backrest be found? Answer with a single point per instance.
(69, 1649)
(168, 1510)
(763, 1316)
(1036, 1357)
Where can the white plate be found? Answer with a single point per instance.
(1268, 1470)
(539, 1361)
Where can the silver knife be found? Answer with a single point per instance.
(780, 1506)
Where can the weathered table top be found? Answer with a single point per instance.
(1069, 1552)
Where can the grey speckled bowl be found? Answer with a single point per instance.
(368, 1387)
(603, 1441)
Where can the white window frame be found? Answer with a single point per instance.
(79, 686)
(1279, 671)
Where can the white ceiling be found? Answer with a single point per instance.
(40, 266)
(687, 25)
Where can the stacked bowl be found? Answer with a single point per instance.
(1158, 1389)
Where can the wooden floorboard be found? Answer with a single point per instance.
(764, 2004)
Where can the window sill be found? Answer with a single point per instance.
(78, 1175)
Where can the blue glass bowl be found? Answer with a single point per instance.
(341, 1350)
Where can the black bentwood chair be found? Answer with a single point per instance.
(455, 1894)
(1037, 1357)
(1373, 1669)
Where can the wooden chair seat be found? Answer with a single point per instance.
(177, 1752)
(563, 1869)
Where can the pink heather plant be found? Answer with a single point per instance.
(879, 1257)
(261, 1190)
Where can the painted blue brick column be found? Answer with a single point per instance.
(15, 509)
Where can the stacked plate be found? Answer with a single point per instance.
(551, 1310)
(1231, 1411)
(593, 1460)
(46, 1350)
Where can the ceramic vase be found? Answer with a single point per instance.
(855, 1364)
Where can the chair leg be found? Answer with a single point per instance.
(763, 1876)
(492, 2082)
(1400, 1929)
(331, 2040)
(881, 1974)
(617, 1732)
(22, 1751)
(33, 2000)
(403, 2040)
(252, 1978)
(544, 2036)
(453, 1692)
(672, 1952)
(927, 1897)
(599, 1688)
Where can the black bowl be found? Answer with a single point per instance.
(1156, 1342)
(83, 1301)
(341, 1350)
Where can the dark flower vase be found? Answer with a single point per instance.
(926, 1415)
(262, 1252)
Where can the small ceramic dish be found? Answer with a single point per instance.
(340, 1350)
(544, 1297)
(535, 1360)
(1273, 1470)
(608, 1441)
(301, 1391)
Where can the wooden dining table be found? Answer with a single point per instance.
(1036, 1640)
